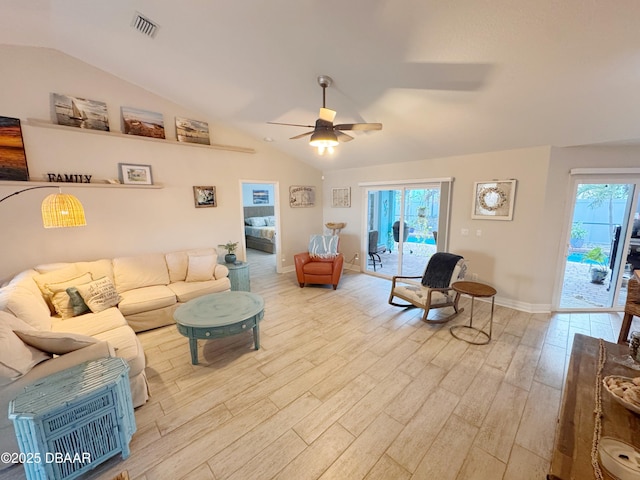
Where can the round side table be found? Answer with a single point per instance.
(239, 276)
(474, 290)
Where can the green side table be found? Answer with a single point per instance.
(239, 276)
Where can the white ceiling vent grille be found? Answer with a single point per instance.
(144, 25)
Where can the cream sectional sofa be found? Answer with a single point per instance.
(147, 289)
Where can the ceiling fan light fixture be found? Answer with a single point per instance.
(324, 140)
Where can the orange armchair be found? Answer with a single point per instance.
(323, 268)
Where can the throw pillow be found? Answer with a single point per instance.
(323, 246)
(59, 296)
(77, 302)
(16, 357)
(201, 268)
(256, 221)
(99, 294)
(57, 343)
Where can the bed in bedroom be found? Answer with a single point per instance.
(260, 228)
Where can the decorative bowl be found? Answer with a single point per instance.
(335, 225)
(620, 459)
(635, 408)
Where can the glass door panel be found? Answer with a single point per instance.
(594, 258)
(405, 221)
(421, 214)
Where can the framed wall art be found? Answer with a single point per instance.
(341, 197)
(80, 112)
(302, 196)
(493, 200)
(192, 131)
(13, 159)
(131, 174)
(142, 122)
(260, 197)
(204, 197)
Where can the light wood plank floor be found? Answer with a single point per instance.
(346, 386)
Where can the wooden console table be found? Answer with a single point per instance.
(574, 434)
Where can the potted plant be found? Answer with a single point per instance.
(599, 270)
(578, 234)
(230, 247)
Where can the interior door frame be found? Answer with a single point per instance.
(276, 213)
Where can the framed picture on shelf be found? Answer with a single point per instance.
(13, 159)
(204, 197)
(302, 196)
(341, 197)
(493, 200)
(142, 122)
(192, 131)
(80, 112)
(131, 174)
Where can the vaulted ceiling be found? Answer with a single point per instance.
(444, 77)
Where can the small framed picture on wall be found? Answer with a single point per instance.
(132, 174)
(341, 197)
(204, 197)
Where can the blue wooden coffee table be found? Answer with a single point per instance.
(219, 315)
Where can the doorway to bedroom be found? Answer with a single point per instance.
(260, 222)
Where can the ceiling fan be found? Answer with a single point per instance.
(325, 135)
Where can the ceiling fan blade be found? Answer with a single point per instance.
(301, 135)
(327, 114)
(290, 124)
(358, 126)
(343, 137)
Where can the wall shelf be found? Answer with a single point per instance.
(16, 183)
(33, 122)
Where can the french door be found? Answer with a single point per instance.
(603, 246)
(405, 224)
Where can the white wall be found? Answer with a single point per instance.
(124, 221)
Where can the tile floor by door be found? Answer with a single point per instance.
(346, 386)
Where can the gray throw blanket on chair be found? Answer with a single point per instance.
(439, 270)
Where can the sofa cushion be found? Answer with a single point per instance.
(140, 271)
(145, 299)
(318, 268)
(57, 343)
(26, 305)
(178, 262)
(91, 323)
(186, 291)
(16, 357)
(60, 298)
(99, 294)
(127, 346)
(200, 267)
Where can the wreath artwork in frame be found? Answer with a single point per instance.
(493, 200)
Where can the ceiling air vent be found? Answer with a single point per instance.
(144, 25)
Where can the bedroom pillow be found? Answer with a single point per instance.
(16, 357)
(271, 220)
(99, 294)
(59, 296)
(58, 343)
(257, 221)
(201, 268)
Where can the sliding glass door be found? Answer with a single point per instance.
(405, 225)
